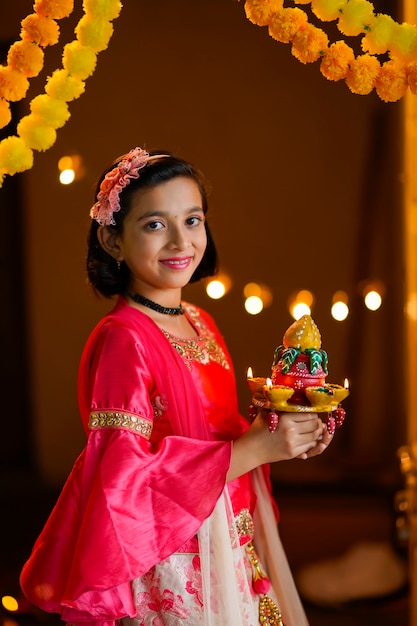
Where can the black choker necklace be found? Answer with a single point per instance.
(166, 310)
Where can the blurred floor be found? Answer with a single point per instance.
(317, 522)
(320, 522)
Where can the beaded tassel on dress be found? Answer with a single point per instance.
(269, 613)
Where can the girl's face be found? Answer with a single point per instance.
(163, 238)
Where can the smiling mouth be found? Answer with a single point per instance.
(177, 263)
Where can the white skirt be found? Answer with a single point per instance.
(171, 593)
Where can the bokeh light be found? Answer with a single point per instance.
(372, 300)
(10, 603)
(254, 305)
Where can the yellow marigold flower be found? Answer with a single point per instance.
(356, 16)
(412, 77)
(35, 133)
(56, 9)
(41, 30)
(286, 23)
(336, 61)
(327, 10)
(404, 44)
(95, 34)
(5, 113)
(25, 57)
(362, 74)
(377, 40)
(391, 83)
(50, 110)
(104, 9)
(15, 156)
(78, 60)
(64, 87)
(13, 85)
(302, 1)
(309, 43)
(260, 12)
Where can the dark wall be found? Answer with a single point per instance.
(16, 451)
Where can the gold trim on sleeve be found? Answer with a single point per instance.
(119, 419)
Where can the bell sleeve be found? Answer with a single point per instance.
(127, 504)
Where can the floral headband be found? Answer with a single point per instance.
(108, 201)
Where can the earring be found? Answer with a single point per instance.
(119, 263)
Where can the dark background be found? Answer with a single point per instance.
(306, 189)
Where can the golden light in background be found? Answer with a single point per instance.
(299, 309)
(373, 300)
(254, 305)
(218, 287)
(67, 177)
(257, 298)
(373, 293)
(300, 303)
(411, 307)
(70, 169)
(10, 603)
(340, 308)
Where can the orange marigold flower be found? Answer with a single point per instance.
(25, 57)
(377, 39)
(412, 77)
(41, 30)
(94, 33)
(357, 14)
(56, 9)
(64, 87)
(391, 83)
(260, 12)
(50, 110)
(15, 156)
(309, 43)
(327, 10)
(79, 61)
(286, 23)
(362, 74)
(5, 113)
(13, 85)
(404, 44)
(336, 61)
(36, 134)
(104, 9)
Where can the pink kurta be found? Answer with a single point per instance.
(161, 414)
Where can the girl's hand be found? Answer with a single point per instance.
(298, 435)
(320, 446)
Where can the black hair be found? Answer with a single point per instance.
(102, 269)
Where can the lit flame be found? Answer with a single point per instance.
(249, 373)
(269, 383)
(346, 383)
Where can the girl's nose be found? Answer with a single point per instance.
(179, 238)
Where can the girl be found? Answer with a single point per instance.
(167, 516)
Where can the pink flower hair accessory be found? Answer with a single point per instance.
(108, 201)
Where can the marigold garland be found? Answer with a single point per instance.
(380, 33)
(49, 111)
(37, 131)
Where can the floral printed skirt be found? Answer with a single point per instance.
(171, 594)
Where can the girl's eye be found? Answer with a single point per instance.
(154, 225)
(193, 221)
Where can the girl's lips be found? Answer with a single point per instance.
(177, 263)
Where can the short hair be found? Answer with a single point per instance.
(102, 269)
